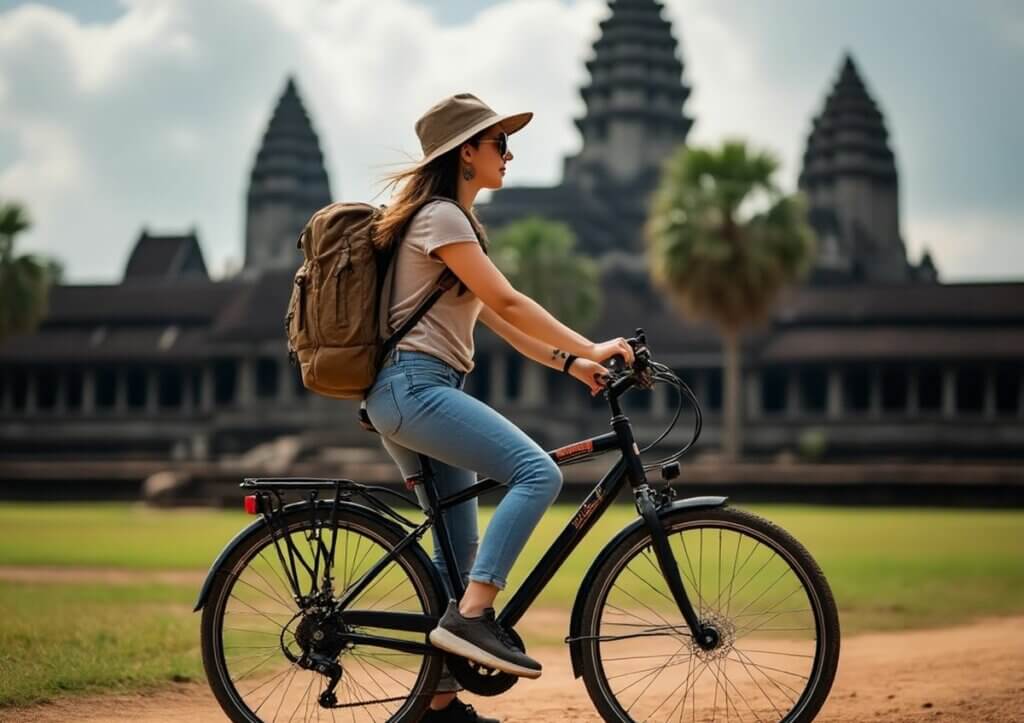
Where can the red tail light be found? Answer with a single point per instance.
(251, 505)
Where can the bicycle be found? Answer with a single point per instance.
(658, 630)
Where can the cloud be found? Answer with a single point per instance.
(969, 245)
(154, 117)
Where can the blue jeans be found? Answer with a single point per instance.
(418, 405)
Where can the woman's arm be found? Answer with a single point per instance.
(525, 344)
(524, 315)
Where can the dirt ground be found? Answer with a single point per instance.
(967, 673)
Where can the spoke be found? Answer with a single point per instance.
(777, 684)
(401, 602)
(770, 701)
(284, 696)
(282, 675)
(735, 571)
(239, 680)
(743, 698)
(768, 667)
(375, 667)
(765, 591)
(256, 632)
(383, 659)
(264, 593)
(290, 604)
(693, 585)
(770, 652)
(260, 612)
(771, 557)
(689, 563)
(655, 667)
(638, 680)
(380, 576)
(790, 594)
(615, 585)
(688, 674)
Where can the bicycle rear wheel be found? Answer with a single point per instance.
(753, 583)
(253, 630)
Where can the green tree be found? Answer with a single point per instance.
(25, 280)
(717, 258)
(537, 256)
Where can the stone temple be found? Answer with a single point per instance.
(873, 351)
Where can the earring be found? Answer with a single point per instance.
(468, 172)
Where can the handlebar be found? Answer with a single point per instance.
(640, 370)
(643, 373)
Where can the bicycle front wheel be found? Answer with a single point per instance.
(254, 632)
(751, 581)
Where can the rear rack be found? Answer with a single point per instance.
(344, 489)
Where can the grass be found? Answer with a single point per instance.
(889, 569)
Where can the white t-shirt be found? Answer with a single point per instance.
(446, 330)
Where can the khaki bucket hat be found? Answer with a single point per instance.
(457, 118)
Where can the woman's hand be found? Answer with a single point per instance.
(608, 349)
(590, 373)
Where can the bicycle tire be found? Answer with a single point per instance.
(599, 615)
(412, 563)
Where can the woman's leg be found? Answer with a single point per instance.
(421, 409)
(452, 427)
(461, 522)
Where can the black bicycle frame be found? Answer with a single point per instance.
(628, 468)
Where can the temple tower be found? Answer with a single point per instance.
(288, 183)
(634, 101)
(850, 178)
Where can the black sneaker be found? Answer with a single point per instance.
(456, 712)
(483, 641)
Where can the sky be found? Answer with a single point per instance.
(119, 115)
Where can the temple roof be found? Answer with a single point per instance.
(195, 319)
(166, 256)
(849, 136)
(289, 164)
(636, 51)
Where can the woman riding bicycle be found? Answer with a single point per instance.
(417, 402)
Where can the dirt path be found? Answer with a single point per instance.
(963, 674)
(102, 575)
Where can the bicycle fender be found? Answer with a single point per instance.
(576, 621)
(258, 526)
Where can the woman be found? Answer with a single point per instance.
(417, 403)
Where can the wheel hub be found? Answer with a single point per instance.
(716, 638)
(322, 636)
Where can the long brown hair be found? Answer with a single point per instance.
(440, 177)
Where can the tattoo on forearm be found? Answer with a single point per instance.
(559, 356)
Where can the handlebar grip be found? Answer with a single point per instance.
(616, 362)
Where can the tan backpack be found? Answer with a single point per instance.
(336, 321)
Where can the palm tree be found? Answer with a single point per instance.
(24, 280)
(536, 254)
(718, 261)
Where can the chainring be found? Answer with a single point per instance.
(480, 679)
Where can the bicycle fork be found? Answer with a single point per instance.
(705, 636)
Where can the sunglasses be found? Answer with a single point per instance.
(501, 140)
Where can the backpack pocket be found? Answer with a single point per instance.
(341, 280)
(295, 320)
